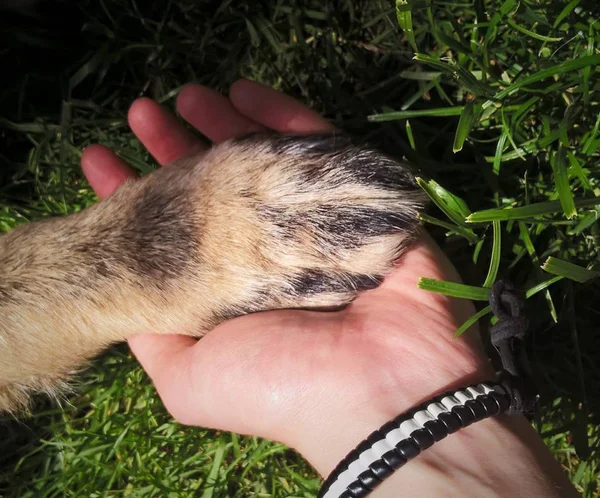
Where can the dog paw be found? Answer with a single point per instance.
(306, 221)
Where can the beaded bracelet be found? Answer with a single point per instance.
(402, 439)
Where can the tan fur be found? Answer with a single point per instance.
(254, 224)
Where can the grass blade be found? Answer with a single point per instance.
(495, 260)
(561, 181)
(392, 116)
(530, 33)
(577, 170)
(519, 213)
(455, 229)
(89, 67)
(563, 67)
(460, 73)
(468, 323)
(454, 289)
(586, 221)
(499, 151)
(404, 16)
(542, 286)
(421, 75)
(563, 268)
(410, 135)
(565, 12)
(454, 207)
(253, 33)
(465, 124)
(525, 237)
(588, 146)
(453, 44)
(529, 147)
(212, 478)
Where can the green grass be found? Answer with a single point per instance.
(496, 103)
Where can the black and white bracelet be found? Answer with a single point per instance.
(402, 439)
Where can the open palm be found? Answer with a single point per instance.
(296, 376)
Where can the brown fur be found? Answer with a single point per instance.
(257, 223)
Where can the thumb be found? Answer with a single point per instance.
(155, 351)
(227, 379)
(166, 359)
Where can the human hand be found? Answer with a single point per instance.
(296, 376)
(321, 382)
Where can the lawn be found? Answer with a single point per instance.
(496, 103)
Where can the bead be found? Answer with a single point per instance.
(437, 428)
(408, 449)
(423, 438)
(394, 459)
(381, 469)
(451, 421)
(466, 416)
(369, 479)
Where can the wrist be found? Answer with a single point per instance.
(327, 439)
(499, 456)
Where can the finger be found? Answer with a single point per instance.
(160, 132)
(104, 169)
(275, 110)
(213, 114)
